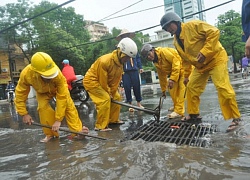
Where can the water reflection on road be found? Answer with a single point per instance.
(24, 157)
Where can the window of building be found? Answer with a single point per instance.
(189, 7)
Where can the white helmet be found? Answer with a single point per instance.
(128, 47)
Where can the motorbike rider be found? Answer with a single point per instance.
(68, 72)
(244, 65)
(76, 88)
(10, 87)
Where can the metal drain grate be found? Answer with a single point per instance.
(175, 132)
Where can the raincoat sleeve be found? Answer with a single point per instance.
(22, 91)
(211, 35)
(62, 94)
(176, 64)
(162, 79)
(103, 77)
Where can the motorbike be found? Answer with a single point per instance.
(10, 95)
(244, 72)
(78, 91)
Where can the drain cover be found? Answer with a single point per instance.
(175, 132)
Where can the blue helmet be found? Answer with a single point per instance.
(65, 61)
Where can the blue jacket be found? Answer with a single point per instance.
(10, 86)
(245, 19)
(136, 62)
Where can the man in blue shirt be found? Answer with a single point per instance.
(130, 76)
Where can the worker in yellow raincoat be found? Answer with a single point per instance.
(168, 63)
(102, 81)
(198, 44)
(48, 81)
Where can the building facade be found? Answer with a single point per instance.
(12, 62)
(96, 30)
(186, 9)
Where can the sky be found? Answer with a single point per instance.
(96, 10)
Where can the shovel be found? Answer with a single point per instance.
(69, 131)
(155, 112)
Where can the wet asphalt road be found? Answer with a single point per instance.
(24, 157)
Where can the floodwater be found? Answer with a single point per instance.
(24, 157)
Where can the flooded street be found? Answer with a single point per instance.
(228, 157)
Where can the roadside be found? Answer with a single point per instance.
(4, 101)
(154, 88)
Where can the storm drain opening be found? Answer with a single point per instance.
(180, 133)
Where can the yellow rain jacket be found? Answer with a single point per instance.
(45, 91)
(170, 64)
(102, 81)
(198, 36)
(105, 72)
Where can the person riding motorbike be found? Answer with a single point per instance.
(68, 72)
(75, 85)
(244, 65)
(10, 87)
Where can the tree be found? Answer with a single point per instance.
(107, 44)
(55, 32)
(59, 32)
(231, 32)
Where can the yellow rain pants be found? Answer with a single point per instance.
(226, 94)
(47, 114)
(107, 112)
(169, 63)
(177, 95)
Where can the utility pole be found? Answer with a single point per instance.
(10, 62)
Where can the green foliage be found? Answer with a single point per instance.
(56, 32)
(231, 33)
(109, 44)
(60, 33)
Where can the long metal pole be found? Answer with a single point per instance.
(69, 131)
(150, 111)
